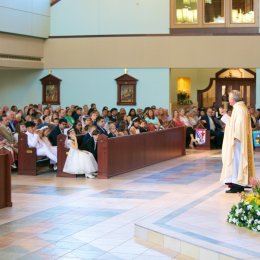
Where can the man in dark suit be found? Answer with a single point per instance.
(91, 144)
(59, 129)
(101, 125)
(214, 127)
(87, 136)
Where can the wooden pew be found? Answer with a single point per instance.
(127, 153)
(5, 181)
(27, 158)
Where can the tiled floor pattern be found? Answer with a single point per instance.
(200, 224)
(61, 218)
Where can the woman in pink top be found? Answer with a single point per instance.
(182, 120)
(176, 119)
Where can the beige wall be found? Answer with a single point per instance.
(22, 49)
(153, 52)
(133, 52)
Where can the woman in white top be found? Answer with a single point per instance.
(79, 162)
(192, 119)
(190, 133)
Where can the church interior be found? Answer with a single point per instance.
(151, 199)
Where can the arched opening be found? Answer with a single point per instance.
(216, 94)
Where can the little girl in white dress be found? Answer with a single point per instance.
(79, 162)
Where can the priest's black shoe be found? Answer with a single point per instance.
(235, 188)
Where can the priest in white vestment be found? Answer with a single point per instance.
(237, 149)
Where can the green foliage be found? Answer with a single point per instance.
(183, 98)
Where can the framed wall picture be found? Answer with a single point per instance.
(50, 90)
(126, 90)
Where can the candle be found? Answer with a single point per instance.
(179, 15)
(234, 15)
(185, 14)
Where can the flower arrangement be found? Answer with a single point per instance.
(183, 98)
(247, 212)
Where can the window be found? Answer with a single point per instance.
(187, 11)
(214, 13)
(243, 12)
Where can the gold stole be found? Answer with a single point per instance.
(251, 167)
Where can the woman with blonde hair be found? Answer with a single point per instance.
(190, 132)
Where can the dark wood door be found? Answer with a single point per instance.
(246, 86)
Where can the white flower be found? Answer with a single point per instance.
(249, 207)
(237, 212)
(258, 212)
(258, 227)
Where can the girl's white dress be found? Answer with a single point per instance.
(79, 162)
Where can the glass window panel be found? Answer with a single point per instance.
(186, 11)
(242, 11)
(214, 11)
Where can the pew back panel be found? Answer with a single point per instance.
(127, 153)
(5, 181)
(62, 155)
(26, 157)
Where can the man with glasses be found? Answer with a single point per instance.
(214, 128)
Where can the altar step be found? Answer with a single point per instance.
(179, 248)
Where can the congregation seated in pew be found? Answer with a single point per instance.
(112, 122)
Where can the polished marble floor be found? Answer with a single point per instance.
(61, 218)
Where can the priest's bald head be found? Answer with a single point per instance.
(234, 96)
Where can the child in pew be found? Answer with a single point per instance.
(34, 140)
(79, 162)
(43, 133)
(91, 143)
